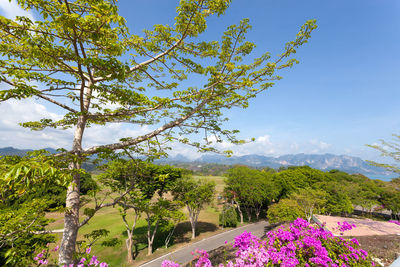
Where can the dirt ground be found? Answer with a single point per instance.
(384, 247)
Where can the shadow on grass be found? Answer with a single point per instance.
(181, 234)
(183, 230)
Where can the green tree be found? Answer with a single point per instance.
(81, 57)
(195, 194)
(228, 216)
(159, 213)
(293, 178)
(286, 210)
(239, 187)
(249, 189)
(310, 200)
(390, 199)
(338, 201)
(140, 186)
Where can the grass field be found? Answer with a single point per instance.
(109, 218)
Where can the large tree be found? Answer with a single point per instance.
(80, 56)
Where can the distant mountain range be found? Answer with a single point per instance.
(323, 162)
(10, 151)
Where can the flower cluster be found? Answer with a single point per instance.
(396, 222)
(299, 244)
(345, 226)
(42, 259)
(202, 259)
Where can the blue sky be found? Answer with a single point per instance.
(344, 93)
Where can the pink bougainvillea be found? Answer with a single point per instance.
(299, 244)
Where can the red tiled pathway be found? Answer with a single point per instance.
(363, 226)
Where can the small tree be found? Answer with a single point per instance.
(195, 194)
(286, 210)
(310, 200)
(157, 213)
(249, 189)
(228, 216)
(239, 187)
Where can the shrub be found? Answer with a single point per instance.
(228, 217)
(286, 210)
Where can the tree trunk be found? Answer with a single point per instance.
(258, 210)
(150, 237)
(193, 215)
(193, 229)
(248, 211)
(71, 215)
(129, 243)
(240, 212)
(149, 248)
(71, 223)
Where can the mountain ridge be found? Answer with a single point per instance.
(324, 162)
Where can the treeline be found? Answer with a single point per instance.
(293, 192)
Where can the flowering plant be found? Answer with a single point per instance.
(300, 244)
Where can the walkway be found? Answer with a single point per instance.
(184, 255)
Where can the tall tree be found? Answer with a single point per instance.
(195, 194)
(80, 56)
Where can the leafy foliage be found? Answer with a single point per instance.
(195, 194)
(286, 210)
(250, 189)
(22, 216)
(228, 216)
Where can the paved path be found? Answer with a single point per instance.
(183, 255)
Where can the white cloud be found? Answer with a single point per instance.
(12, 10)
(263, 145)
(111, 133)
(12, 134)
(17, 111)
(14, 112)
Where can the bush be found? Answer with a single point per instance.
(299, 244)
(228, 217)
(286, 210)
